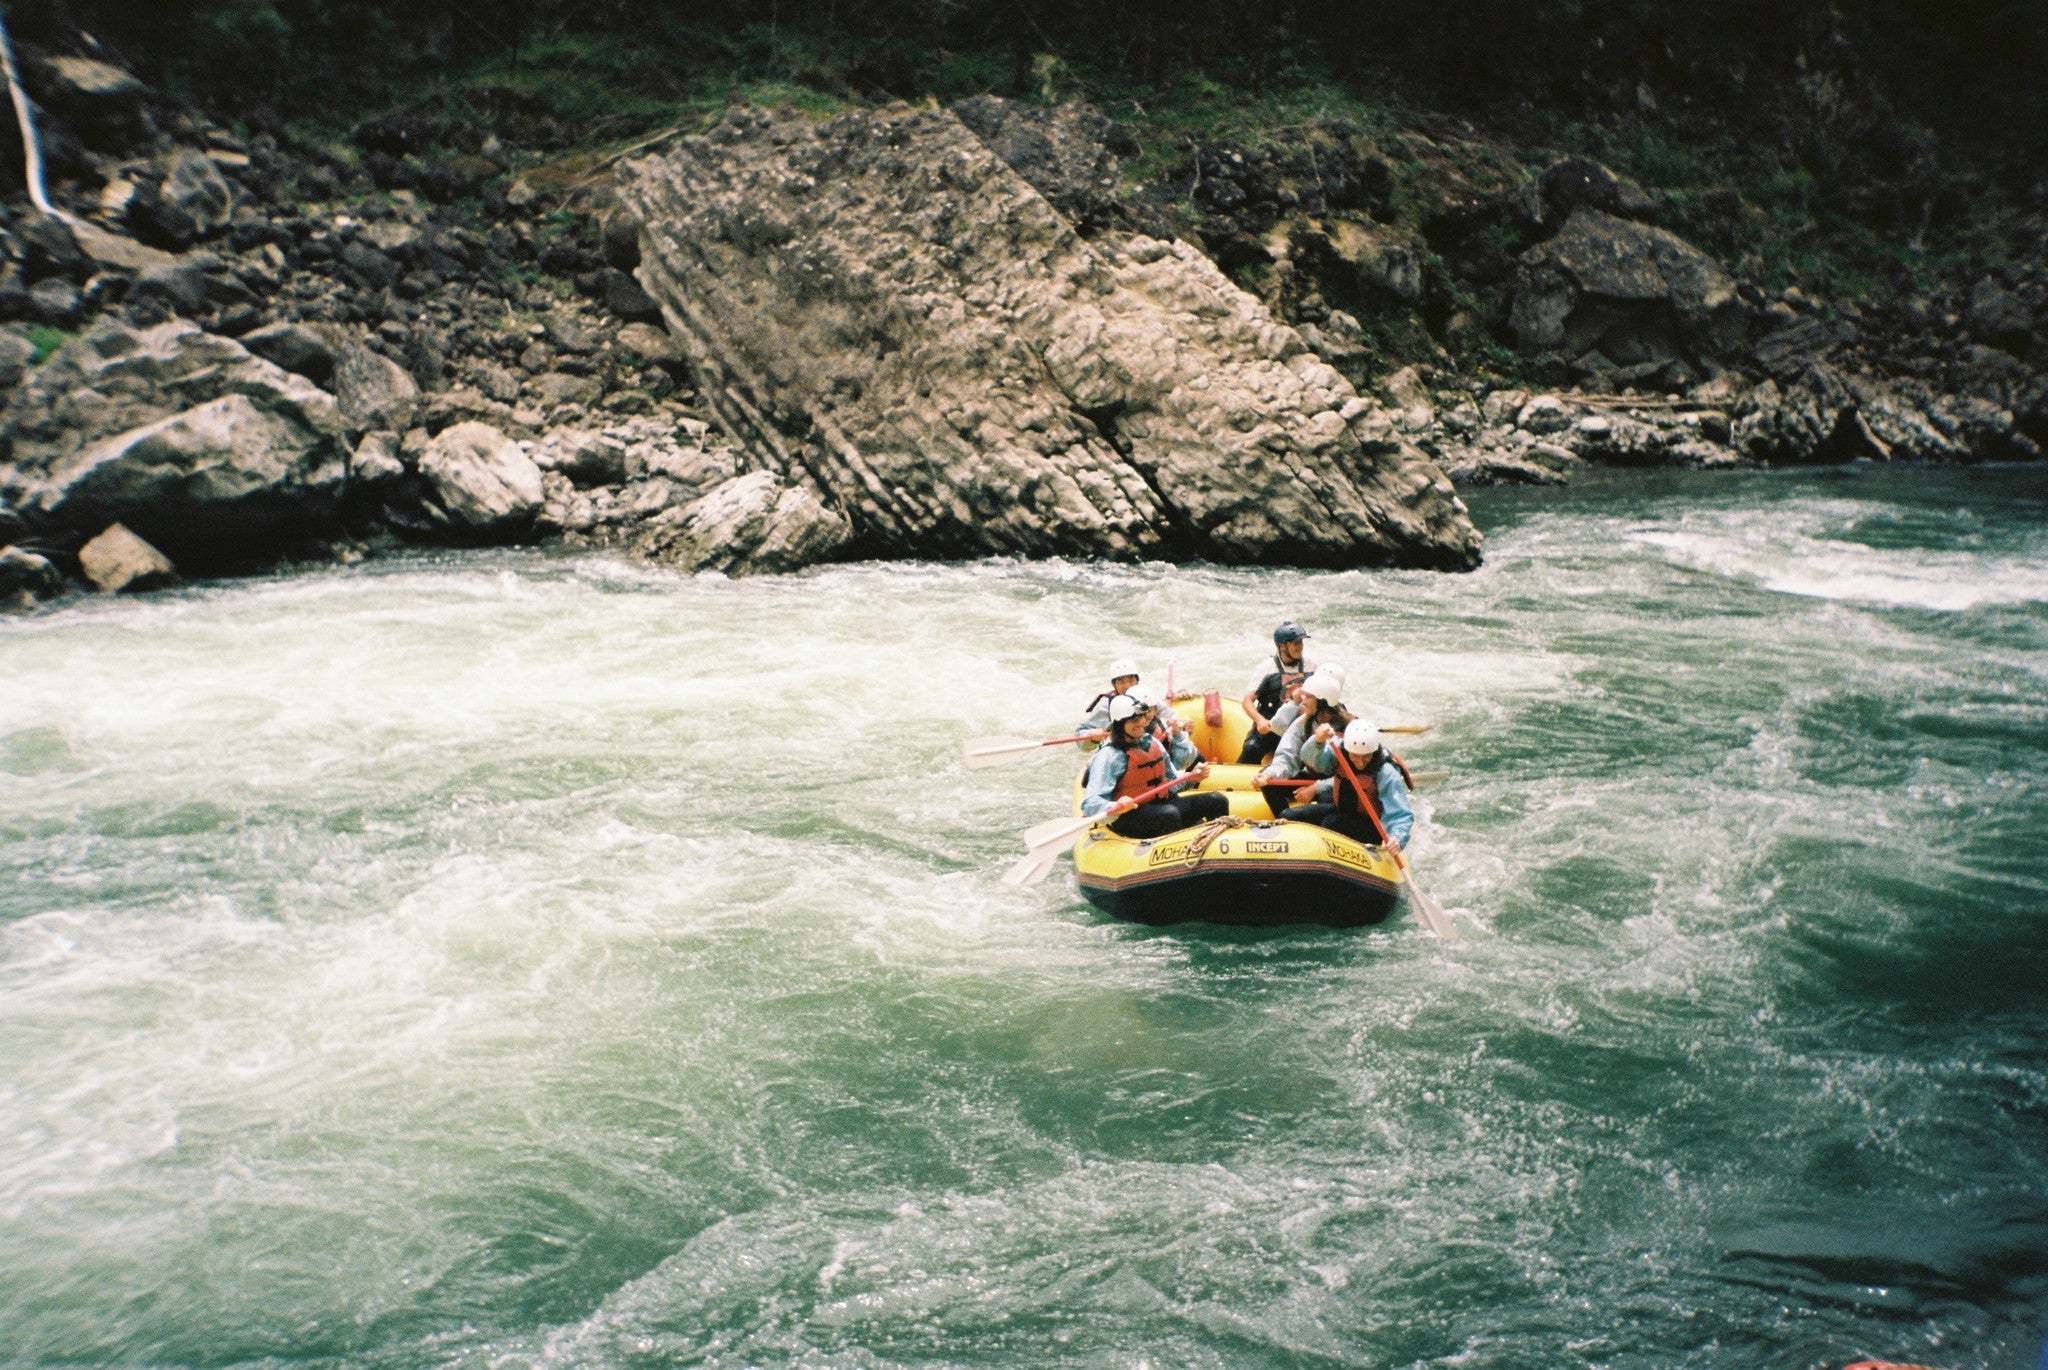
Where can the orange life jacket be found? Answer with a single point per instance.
(1144, 767)
(1369, 784)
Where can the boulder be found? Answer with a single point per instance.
(56, 302)
(27, 576)
(192, 202)
(117, 560)
(115, 378)
(1628, 291)
(294, 347)
(375, 461)
(15, 354)
(886, 315)
(587, 459)
(752, 523)
(619, 238)
(117, 252)
(49, 248)
(106, 105)
(561, 387)
(487, 486)
(177, 288)
(649, 343)
(371, 390)
(221, 485)
(1577, 183)
(1406, 390)
(623, 296)
(1832, 415)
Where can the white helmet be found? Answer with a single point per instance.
(1335, 672)
(1120, 668)
(1324, 686)
(1123, 707)
(1361, 736)
(1148, 696)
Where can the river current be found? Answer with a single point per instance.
(514, 958)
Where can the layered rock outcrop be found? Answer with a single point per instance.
(889, 318)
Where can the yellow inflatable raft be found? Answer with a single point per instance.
(1249, 869)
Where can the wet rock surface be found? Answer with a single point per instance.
(880, 307)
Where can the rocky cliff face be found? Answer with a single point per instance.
(889, 317)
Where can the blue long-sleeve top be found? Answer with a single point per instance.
(1299, 754)
(1105, 769)
(1397, 814)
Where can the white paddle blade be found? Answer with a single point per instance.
(1055, 831)
(1031, 868)
(1433, 916)
(996, 751)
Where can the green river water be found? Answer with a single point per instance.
(512, 958)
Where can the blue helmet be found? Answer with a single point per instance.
(1290, 631)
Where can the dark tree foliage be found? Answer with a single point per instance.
(1968, 67)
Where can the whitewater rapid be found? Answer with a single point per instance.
(518, 958)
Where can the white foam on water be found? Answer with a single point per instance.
(395, 942)
(1795, 548)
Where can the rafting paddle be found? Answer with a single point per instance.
(984, 752)
(1433, 916)
(1059, 830)
(1032, 867)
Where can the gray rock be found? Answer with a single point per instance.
(620, 239)
(1632, 292)
(496, 382)
(1786, 351)
(56, 301)
(1831, 415)
(83, 79)
(752, 523)
(372, 390)
(160, 292)
(223, 484)
(1544, 414)
(117, 252)
(118, 560)
(27, 576)
(197, 193)
(649, 343)
(569, 335)
(15, 354)
(485, 483)
(376, 460)
(1501, 407)
(953, 383)
(625, 299)
(1406, 390)
(585, 458)
(559, 387)
(115, 378)
(48, 248)
(373, 270)
(294, 347)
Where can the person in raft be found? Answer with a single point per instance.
(1383, 784)
(1304, 750)
(1133, 761)
(1123, 674)
(1169, 727)
(1272, 686)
